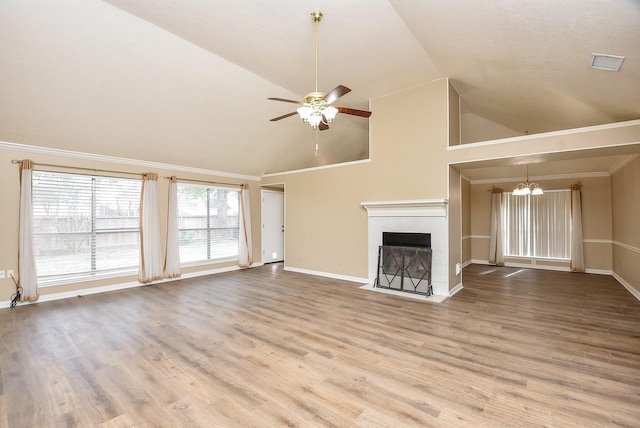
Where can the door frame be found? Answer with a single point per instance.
(277, 190)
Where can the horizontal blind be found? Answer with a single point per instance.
(207, 222)
(85, 225)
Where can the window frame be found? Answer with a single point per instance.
(93, 274)
(210, 243)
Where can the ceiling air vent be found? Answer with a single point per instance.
(606, 62)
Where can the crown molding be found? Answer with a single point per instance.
(122, 161)
(621, 164)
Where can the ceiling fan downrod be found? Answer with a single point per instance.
(317, 17)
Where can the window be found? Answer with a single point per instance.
(207, 222)
(84, 225)
(538, 226)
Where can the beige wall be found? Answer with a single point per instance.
(9, 211)
(475, 128)
(625, 190)
(455, 227)
(454, 116)
(596, 220)
(466, 220)
(326, 225)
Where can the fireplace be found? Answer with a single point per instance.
(404, 262)
(411, 216)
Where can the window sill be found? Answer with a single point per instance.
(209, 262)
(86, 278)
(133, 272)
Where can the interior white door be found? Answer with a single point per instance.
(272, 226)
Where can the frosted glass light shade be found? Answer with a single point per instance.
(330, 113)
(305, 112)
(314, 119)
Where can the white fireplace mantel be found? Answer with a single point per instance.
(409, 208)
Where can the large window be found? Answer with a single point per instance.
(538, 226)
(84, 225)
(208, 222)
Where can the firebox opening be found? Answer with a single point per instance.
(403, 239)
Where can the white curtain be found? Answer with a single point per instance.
(245, 258)
(496, 250)
(550, 224)
(150, 247)
(577, 251)
(172, 253)
(516, 224)
(26, 258)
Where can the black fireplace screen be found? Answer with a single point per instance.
(404, 263)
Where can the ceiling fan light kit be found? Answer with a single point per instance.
(315, 108)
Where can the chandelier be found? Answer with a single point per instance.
(314, 104)
(527, 188)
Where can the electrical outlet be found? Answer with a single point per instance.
(458, 268)
(10, 273)
(1, 274)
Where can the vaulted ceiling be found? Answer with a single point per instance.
(187, 82)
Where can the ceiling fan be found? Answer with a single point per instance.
(316, 109)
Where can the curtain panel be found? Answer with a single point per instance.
(496, 250)
(150, 267)
(577, 250)
(172, 252)
(245, 257)
(28, 278)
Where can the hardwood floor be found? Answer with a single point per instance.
(268, 348)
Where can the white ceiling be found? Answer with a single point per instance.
(187, 82)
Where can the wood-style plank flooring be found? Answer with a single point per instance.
(269, 348)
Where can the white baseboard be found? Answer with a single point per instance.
(625, 284)
(455, 290)
(328, 275)
(599, 271)
(121, 286)
(467, 263)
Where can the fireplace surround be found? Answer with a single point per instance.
(413, 216)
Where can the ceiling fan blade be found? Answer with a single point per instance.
(336, 93)
(353, 111)
(322, 126)
(284, 116)
(285, 100)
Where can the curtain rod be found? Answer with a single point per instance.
(205, 182)
(80, 168)
(553, 188)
